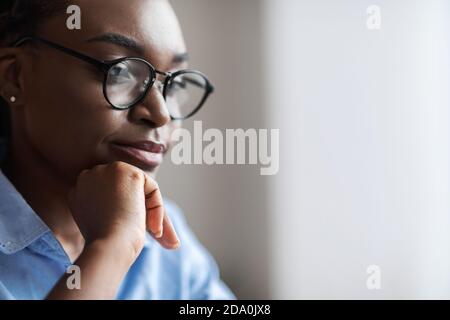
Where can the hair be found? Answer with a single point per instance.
(17, 19)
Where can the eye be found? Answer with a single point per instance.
(120, 73)
(177, 84)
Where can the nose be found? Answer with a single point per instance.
(152, 111)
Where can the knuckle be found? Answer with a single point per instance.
(117, 166)
(126, 170)
(153, 182)
(135, 175)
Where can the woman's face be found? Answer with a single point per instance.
(65, 115)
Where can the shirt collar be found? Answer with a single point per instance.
(19, 224)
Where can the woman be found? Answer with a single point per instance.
(87, 117)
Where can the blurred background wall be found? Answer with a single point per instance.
(227, 205)
(364, 139)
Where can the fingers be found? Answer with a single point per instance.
(154, 207)
(157, 220)
(170, 235)
(169, 240)
(155, 214)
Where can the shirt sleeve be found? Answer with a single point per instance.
(204, 282)
(4, 293)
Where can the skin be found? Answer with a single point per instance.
(98, 203)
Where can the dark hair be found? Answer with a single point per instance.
(19, 18)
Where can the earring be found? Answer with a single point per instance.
(12, 99)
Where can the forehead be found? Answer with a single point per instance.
(152, 23)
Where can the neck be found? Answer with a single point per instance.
(45, 191)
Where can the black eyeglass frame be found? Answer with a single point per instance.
(105, 66)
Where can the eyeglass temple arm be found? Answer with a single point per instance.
(98, 63)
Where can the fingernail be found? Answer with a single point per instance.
(172, 245)
(176, 245)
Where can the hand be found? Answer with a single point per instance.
(120, 200)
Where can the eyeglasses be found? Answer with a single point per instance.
(128, 80)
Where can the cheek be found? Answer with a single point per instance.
(68, 119)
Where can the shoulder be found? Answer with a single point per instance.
(192, 251)
(201, 268)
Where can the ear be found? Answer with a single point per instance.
(11, 76)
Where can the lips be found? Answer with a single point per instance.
(148, 146)
(145, 154)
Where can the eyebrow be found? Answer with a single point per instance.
(180, 58)
(133, 45)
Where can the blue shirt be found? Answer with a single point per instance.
(32, 260)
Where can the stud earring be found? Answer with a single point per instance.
(12, 99)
